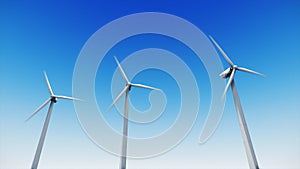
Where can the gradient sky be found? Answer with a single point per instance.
(37, 36)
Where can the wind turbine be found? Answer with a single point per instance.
(125, 91)
(229, 72)
(53, 99)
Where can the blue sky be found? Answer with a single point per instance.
(40, 36)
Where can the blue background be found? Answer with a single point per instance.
(38, 36)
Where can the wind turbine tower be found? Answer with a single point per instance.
(229, 73)
(126, 91)
(53, 99)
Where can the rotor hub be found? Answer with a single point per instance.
(54, 99)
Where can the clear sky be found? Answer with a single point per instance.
(37, 36)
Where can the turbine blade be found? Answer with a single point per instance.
(48, 84)
(117, 98)
(249, 71)
(221, 50)
(122, 71)
(38, 109)
(144, 86)
(229, 83)
(68, 98)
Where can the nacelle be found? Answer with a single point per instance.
(226, 73)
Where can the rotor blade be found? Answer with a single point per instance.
(249, 71)
(38, 109)
(120, 95)
(144, 86)
(122, 71)
(67, 97)
(48, 84)
(221, 50)
(229, 82)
